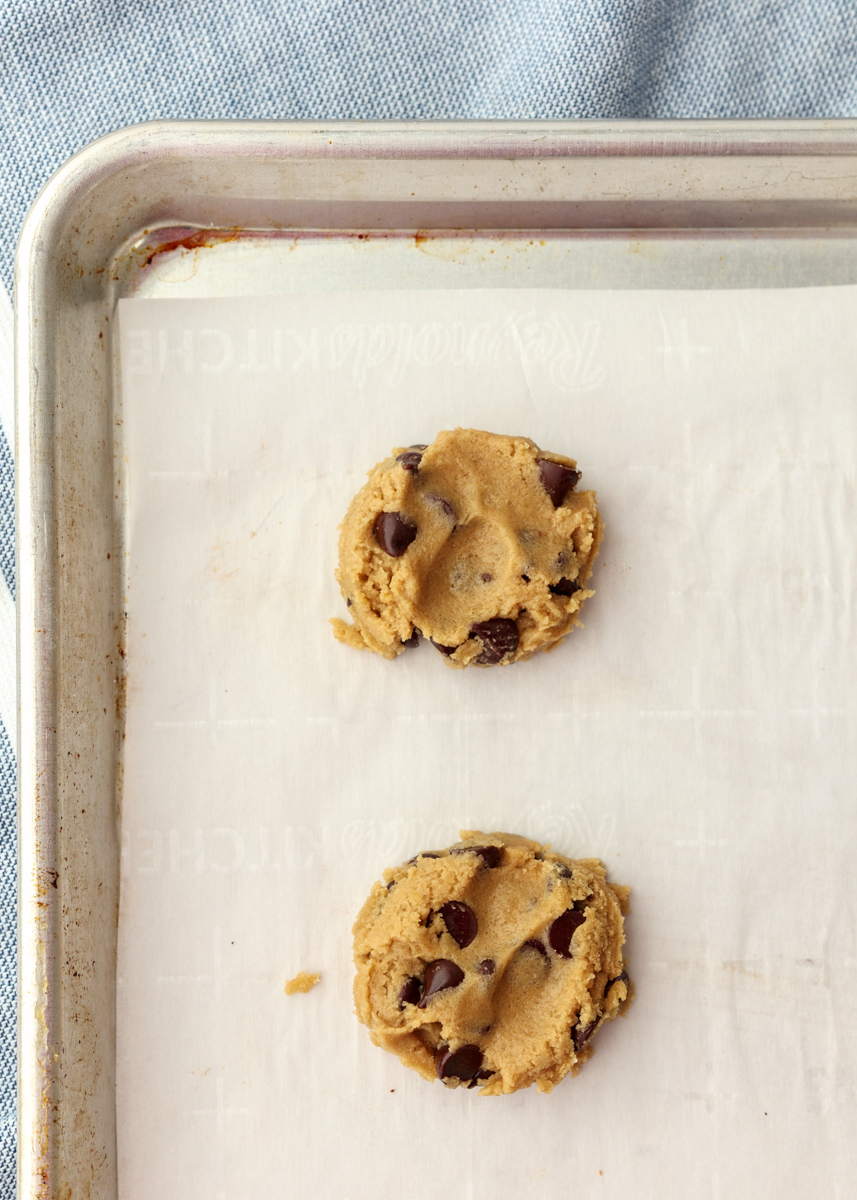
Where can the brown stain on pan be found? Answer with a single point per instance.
(184, 237)
(194, 239)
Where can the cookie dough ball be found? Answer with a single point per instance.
(491, 964)
(479, 542)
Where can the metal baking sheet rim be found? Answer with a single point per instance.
(69, 276)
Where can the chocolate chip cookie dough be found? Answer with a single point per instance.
(479, 542)
(491, 964)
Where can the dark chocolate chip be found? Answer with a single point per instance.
(410, 460)
(463, 1063)
(486, 967)
(347, 603)
(440, 975)
(564, 872)
(491, 854)
(562, 930)
(411, 992)
(535, 944)
(499, 638)
(557, 480)
(460, 921)
(394, 533)
(391, 884)
(444, 504)
(525, 578)
(565, 587)
(582, 1035)
(486, 578)
(413, 641)
(444, 650)
(427, 854)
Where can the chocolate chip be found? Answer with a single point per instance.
(411, 992)
(582, 1035)
(463, 1063)
(460, 921)
(562, 930)
(564, 872)
(486, 967)
(440, 975)
(525, 578)
(391, 884)
(413, 641)
(535, 944)
(486, 578)
(394, 533)
(565, 587)
(444, 650)
(444, 504)
(427, 854)
(347, 603)
(411, 459)
(499, 638)
(491, 854)
(557, 480)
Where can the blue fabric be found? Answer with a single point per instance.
(7, 515)
(71, 70)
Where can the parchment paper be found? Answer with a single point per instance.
(698, 734)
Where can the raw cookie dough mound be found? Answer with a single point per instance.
(481, 543)
(491, 964)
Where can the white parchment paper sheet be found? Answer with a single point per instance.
(698, 734)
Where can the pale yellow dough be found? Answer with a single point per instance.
(532, 1017)
(489, 544)
(304, 981)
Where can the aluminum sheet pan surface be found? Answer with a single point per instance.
(629, 204)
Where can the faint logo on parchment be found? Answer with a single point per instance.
(558, 352)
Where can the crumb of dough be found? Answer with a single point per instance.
(492, 964)
(302, 982)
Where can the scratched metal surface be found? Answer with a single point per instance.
(494, 204)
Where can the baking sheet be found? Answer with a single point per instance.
(698, 734)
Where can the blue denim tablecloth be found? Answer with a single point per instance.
(71, 70)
